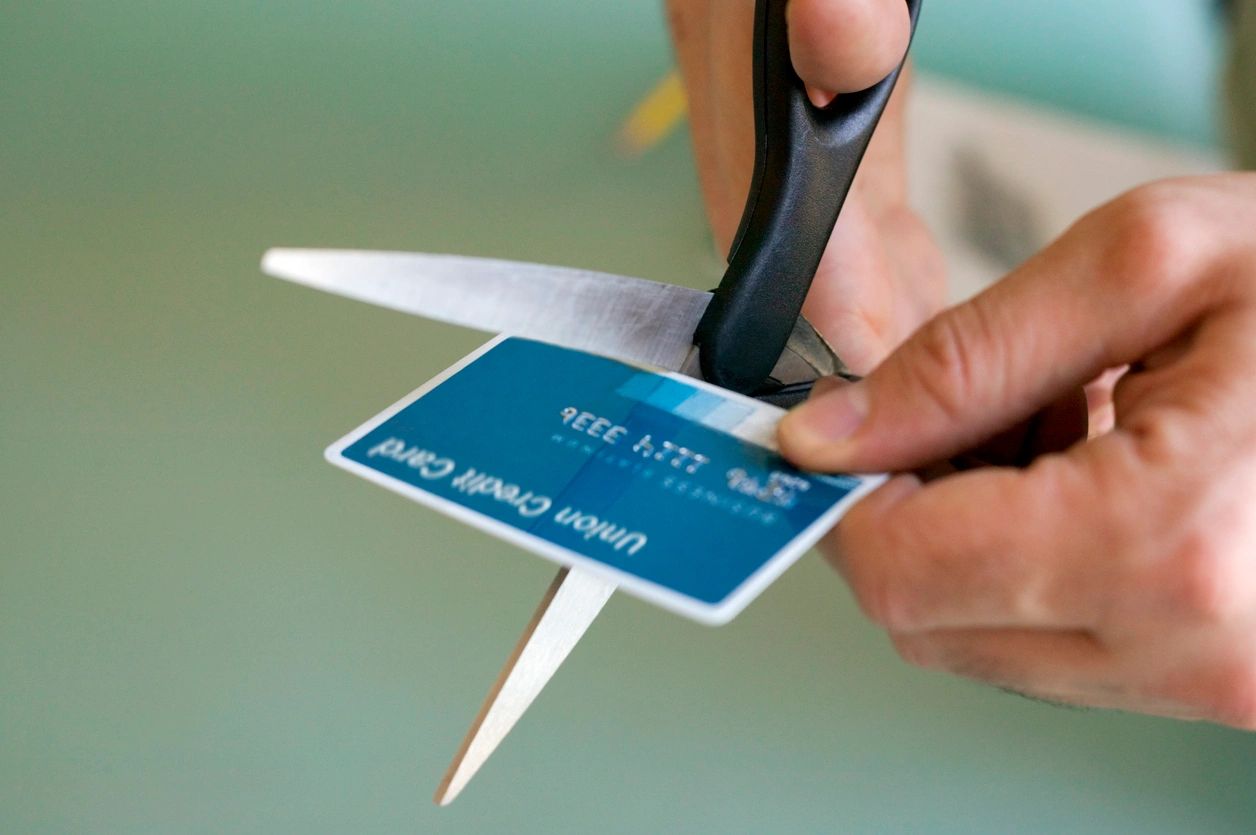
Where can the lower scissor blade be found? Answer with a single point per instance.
(561, 619)
(616, 316)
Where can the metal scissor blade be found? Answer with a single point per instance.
(626, 318)
(570, 605)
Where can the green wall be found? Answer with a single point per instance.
(1149, 65)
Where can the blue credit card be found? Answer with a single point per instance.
(653, 480)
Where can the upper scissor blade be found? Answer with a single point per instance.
(626, 318)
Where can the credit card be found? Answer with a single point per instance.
(667, 486)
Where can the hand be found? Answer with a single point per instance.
(1122, 571)
(881, 275)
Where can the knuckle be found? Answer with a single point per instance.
(946, 367)
(1153, 235)
(1161, 440)
(1207, 585)
(1184, 438)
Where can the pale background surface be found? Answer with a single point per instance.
(203, 627)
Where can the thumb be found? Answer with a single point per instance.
(945, 391)
(1079, 307)
(840, 46)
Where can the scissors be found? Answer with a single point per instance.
(747, 335)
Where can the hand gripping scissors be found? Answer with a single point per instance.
(747, 335)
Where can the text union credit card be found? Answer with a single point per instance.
(665, 485)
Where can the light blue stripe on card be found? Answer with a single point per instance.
(677, 398)
(727, 416)
(698, 405)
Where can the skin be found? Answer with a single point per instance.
(1116, 570)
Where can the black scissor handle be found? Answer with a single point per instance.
(805, 161)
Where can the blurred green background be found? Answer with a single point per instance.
(205, 628)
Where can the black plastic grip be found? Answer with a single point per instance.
(805, 161)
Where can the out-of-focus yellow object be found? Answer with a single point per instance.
(654, 118)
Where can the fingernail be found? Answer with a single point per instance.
(828, 418)
(820, 98)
